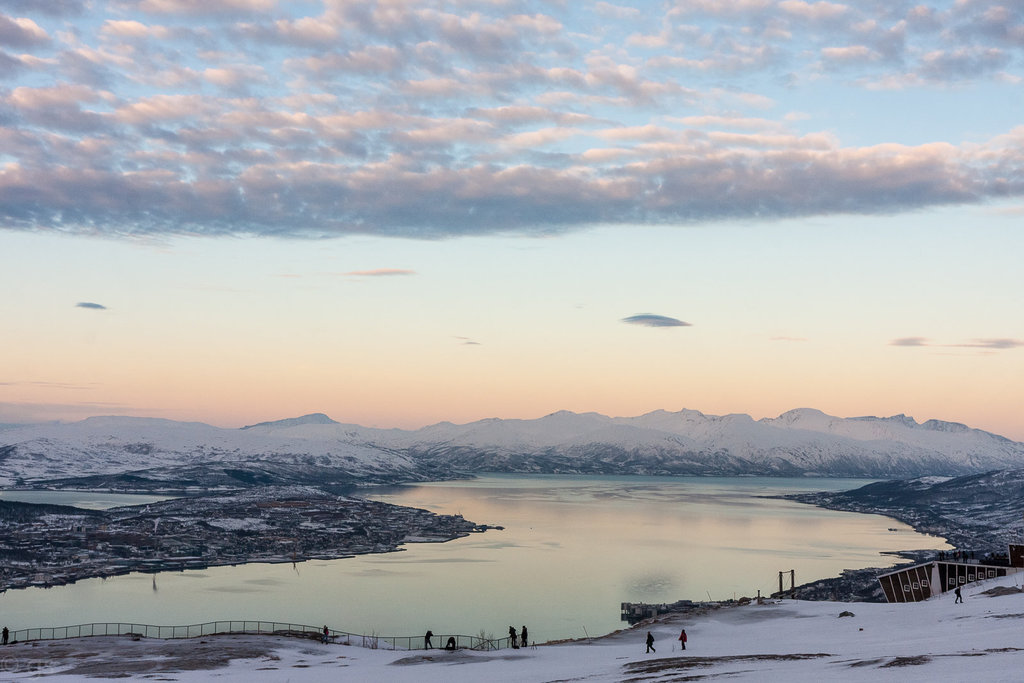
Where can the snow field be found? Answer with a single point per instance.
(980, 640)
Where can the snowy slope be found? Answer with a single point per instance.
(316, 449)
(689, 442)
(978, 511)
(790, 640)
(165, 450)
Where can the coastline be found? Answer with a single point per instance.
(850, 584)
(861, 585)
(45, 545)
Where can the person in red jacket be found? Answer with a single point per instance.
(682, 639)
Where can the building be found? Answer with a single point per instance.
(922, 581)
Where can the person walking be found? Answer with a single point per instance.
(523, 638)
(6, 635)
(682, 640)
(426, 640)
(650, 642)
(325, 635)
(959, 598)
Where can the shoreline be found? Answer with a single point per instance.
(861, 585)
(45, 546)
(857, 584)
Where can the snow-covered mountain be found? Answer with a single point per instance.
(149, 453)
(799, 442)
(130, 452)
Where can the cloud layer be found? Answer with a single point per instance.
(992, 344)
(434, 118)
(651, 320)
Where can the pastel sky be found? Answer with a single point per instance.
(398, 212)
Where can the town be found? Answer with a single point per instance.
(50, 545)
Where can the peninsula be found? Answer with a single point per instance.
(49, 545)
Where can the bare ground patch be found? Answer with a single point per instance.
(918, 660)
(114, 656)
(998, 591)
(670, 665)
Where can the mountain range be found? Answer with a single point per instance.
(131, 453)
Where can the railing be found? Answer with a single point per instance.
(241, 627)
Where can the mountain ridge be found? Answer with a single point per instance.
(313, 448)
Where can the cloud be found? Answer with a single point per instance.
(89, 304)
(814, 11)
(616, 12)
(56, 8)
(995, 344)
(28, 413)
(381, 272)
(203, 7)
(651, 320)
(851, 54)
(963, 63)
(992, 344)
(910, 341)
(50, 385)
(21, 32)
(310, 120)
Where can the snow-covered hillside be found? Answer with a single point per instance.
(147, 453)
(789, 640)
(689, 442)
(977, 511)
(117, 451)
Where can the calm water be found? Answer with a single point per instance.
(573, 548)
(81, 499)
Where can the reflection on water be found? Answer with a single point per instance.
(653, 584)
(573, 548)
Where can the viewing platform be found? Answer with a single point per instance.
(270, 628)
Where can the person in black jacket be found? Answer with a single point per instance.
(650, 642)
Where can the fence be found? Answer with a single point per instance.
(212, 628)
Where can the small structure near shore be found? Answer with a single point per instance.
(923, 581)
(633, 612)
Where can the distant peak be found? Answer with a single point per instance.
(311, 419)
(801, 414)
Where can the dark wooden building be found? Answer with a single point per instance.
(922, 581)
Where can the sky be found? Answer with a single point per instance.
(402, 212)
